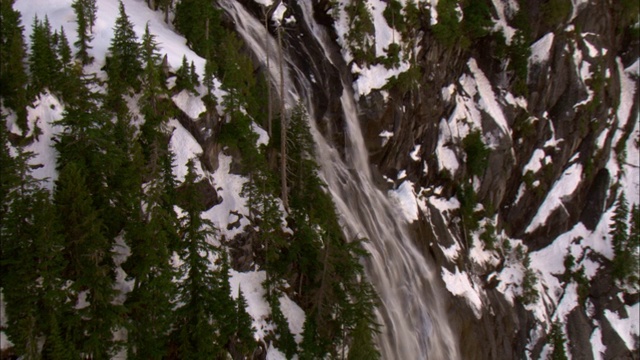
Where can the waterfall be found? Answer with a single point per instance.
(412, 314)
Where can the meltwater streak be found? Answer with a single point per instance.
(411, 310)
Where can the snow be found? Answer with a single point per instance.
(251, 285)
(229, 187)
(509, 279)
(627, 97)
(264, 2)
(385, 135)
(563, 187)
(535, 163)
(415, 154)
(374, 77)
(627, 327)
(597, 346)
(295, 316)
(61, 14)
(541, 49)
(278, 13)
(501, 22)
(191, 105)
(275, 354)
(487, 97)
(444, 205)
(567, 303)
(405, 197)
(458, 284)
(45, 110)
(263, 136)
(4, 340)
(184, 147)
(593, 52)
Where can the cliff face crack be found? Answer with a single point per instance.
(411, 310)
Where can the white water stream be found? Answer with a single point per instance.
(411, 310)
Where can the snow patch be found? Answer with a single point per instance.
(191, 105)
(184, 147)
(459, 284)
(626, 327)
(405, 197)
(541, 49)
(563, 187)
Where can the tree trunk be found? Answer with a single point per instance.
(283, 128)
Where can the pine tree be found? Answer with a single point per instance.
(90, 264)
(84, 34)
(200, 22)
(311, 347)
(193, 74)
(619, 238)
(557, 341)
(124, 50)
(284, 340)
(244, 340)
(43, 60)
(13, 77)
(184, 80)
(196, 331)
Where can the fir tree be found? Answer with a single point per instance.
(196, 331)
(619, 238)
(32, 258)
(184, 80)
(90, 264)
(199, 21)
(244, 340)
(557, 341)
(13, 77)
(43, 61)
(124, 50)
(283, 338)
(84, 34)
(311, 347)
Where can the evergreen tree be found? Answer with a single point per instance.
(244, 340)
(619, 238)
(311, 347)
(124, 50)
(193, 74)
(43, 60)
(284, 340)
(84, 34)
(557, 341)
(31, 249)
(90, 265)
(184, 80)
(13, 77)
(195, 328)
(200, 22)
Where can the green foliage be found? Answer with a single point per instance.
(519, 51)
(244, 340)
(477, 153)
(311, 347)
(625, 242)
(488, 236)
(195, 319)
(90, 264)
(476, 21)
(43, 60)
(448, 31)
(199, 22)
(557, 341)
(468, 201)
(123, 65)
(530, 280)
(83, 10)
(13, 77)
(393, 15)
(283, 338)
(360, 37)
(555, 12)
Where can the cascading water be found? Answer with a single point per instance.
(411, 310)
